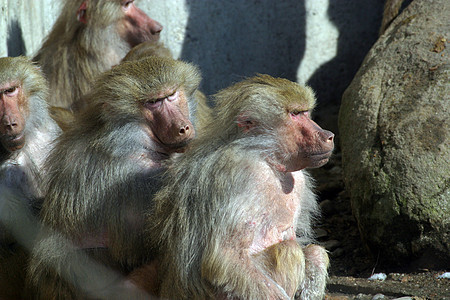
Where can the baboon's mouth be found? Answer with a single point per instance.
(178, 147)
(13, 142)
(322, 155)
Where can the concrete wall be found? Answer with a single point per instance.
(23, 24)
(321, 42)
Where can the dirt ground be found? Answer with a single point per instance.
(351, 264)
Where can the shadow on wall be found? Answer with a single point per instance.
(233, 39)
(358, 23)
(15, 43)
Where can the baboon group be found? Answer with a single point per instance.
(119, 181)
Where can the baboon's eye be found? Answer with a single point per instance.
(126, 4)
(12, 91)
(172, 97)
(297, 112)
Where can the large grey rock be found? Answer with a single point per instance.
(395, 139)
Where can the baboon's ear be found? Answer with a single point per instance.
(245, 122)
(81, 12)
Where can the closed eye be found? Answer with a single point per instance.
(152, 103)
(299, 112)
(173, 97)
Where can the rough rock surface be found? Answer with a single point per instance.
(351, 265)
(394, 125)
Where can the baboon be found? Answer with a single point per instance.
(26, 136)
(147, 49)
(88, 38)
(103, 172)
(224, 223)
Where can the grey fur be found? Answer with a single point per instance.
(201, 224)
(21, 174)
(101, 178)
